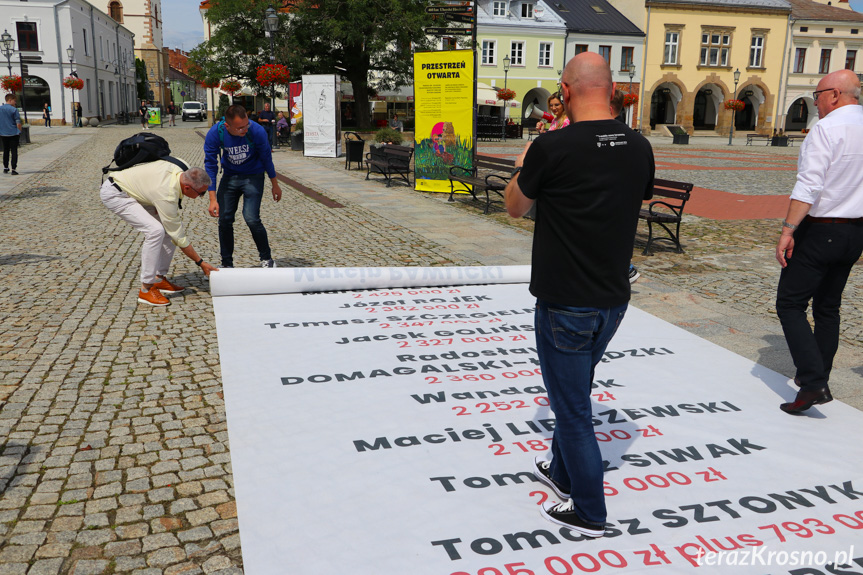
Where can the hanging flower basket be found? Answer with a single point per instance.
(506, 94)
(273, 75)
(73, 83)
(11, 83)
(736, 105)
(210, 83)
(231, 86)
(629, 100)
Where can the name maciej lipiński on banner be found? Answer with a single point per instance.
(393, 429)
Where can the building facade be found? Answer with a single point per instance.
(693, 50)
(824, 39)
(44, 30)
(532, 37)
(144, 19)
(597, 26)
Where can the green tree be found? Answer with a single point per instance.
(369, 42)
(141, 79)
(237, 44)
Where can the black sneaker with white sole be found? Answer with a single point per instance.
(633, 274)
(542, 471)
(564, 514)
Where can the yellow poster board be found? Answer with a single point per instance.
(443, 133)
(154, 116)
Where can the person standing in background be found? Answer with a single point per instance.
(822, 236)
(10, 130)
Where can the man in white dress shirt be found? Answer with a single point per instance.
(822, 236)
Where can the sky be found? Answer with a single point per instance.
(856, 5)
(182, 24)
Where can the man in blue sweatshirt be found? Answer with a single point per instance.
(246, 155)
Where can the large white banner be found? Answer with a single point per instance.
(320, 115)
(392, 430)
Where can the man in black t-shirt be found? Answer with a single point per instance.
(588, 181)
(143, 111)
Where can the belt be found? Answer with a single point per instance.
(815, 220)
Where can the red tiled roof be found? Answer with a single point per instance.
(809, 10)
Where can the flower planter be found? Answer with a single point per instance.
(681, 139)
(781, 141)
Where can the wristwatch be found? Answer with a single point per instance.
(515, 171)
(785, 224)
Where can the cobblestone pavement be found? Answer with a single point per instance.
(114, 453)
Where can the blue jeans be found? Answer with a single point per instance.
(570, 342)
(251, 189)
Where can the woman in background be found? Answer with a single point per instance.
(46, 114)
(555, 107)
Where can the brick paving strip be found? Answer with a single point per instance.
(114, 454)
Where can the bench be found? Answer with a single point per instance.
(759, 137)
(468, 180)
(792, 139)
(531, 132)
(666, 212)
(390, 160)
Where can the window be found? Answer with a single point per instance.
(855, 30)
(605, 52)
(89, 105)
(527, 10)
(828, 30)
(545, 54)
(516, 53)
(799, 60)
(498, 9)
(116, 11)
(626, 58)
(579, 48)
(672, 41)
(715, 45)
(28, 39)
(86, 49)
(489, 49)
(448, 43)
(804, 28)
(824, 65)
(756, 52)
(850, 59)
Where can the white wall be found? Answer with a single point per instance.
(56, 32)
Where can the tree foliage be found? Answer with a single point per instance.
(369, 42)
(141, 79)
(238, 44)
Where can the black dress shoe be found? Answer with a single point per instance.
(806, 399)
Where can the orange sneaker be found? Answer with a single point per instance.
(153, 297)
(166, 286)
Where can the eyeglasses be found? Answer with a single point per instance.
(816, 92)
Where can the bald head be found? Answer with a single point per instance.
(837, 89)
(848, 83)
(587, 72)
(587, 87)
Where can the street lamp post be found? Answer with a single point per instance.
(733, 111)
(70, 52)
(272, 25)
(7, 45)
(506, 64)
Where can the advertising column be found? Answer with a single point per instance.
(320, 120)
(443, 89)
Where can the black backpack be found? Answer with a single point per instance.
(140, 149)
